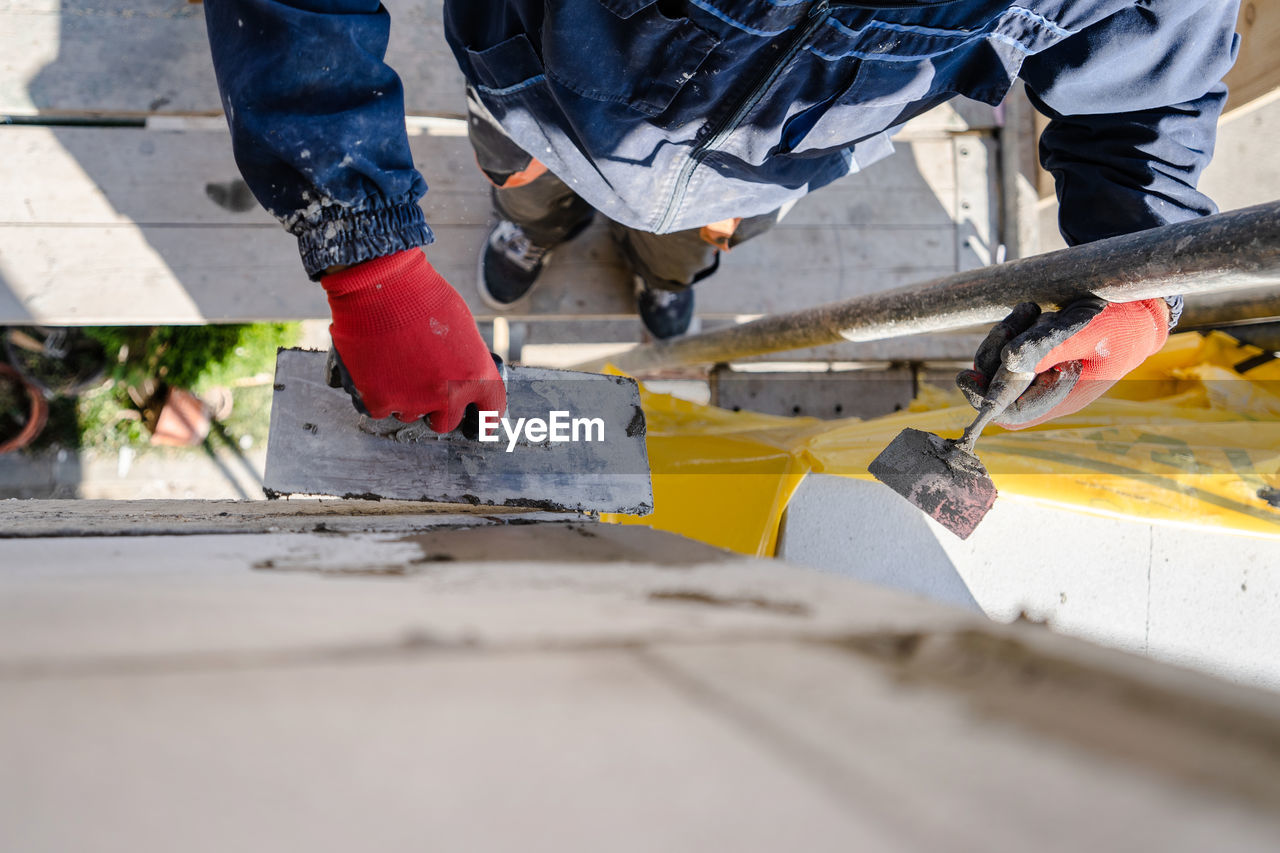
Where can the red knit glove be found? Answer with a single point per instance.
(408, 343)
(1078, 352)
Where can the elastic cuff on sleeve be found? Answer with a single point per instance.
(343, 235)
(1175, 310)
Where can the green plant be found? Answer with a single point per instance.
(14, 407)
(106, 420)
(194, 357)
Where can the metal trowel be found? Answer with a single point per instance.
(570, 441)
(942, 476)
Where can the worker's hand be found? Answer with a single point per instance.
(1078, 353)
(407, 345)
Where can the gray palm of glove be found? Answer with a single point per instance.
(1021, 341)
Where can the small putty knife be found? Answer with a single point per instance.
(942, 476)
(570, 441)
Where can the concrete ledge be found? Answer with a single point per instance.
(579, 687)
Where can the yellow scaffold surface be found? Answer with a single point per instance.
(1191, 437)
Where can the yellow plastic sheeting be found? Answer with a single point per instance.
(1192, 436)
(718, 476)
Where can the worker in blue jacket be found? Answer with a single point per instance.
(693, 125)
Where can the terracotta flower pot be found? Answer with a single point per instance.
(37, 414)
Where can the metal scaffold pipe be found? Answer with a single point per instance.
(1246, 307)
(1208, 255)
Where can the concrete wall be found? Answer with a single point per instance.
(1190, 596)
(303, 676)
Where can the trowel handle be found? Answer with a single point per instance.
(470, 426)
(1006, 386)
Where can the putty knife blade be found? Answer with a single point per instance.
(950, 485)
(319, 445)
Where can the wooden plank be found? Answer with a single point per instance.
(956, 116)
(1019, 225)
(125, 274)
(914, 186)
(172, 274)
(120, 225)
(853, 203)
(95, 175)
(146, 56)
(105, 56)
(1245, 170)
(1044, 180)
(113, 175)
(807, 266)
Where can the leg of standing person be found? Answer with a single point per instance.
(666, 266)
(537, 212)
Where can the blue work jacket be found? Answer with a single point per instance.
(670, 114)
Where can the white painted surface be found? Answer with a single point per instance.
(1194, 597)
(1215, 604)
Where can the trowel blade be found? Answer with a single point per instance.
(950, 485)
(320, 445)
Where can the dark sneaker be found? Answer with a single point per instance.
(509, 266)
(666, 313)
(511, 263)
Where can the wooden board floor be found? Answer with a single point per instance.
(119, 225)
(122, 225)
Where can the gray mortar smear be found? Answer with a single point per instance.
(948, 484)
(319, 445)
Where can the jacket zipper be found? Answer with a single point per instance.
(818, 13)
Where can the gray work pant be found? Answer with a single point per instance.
(550, 212)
